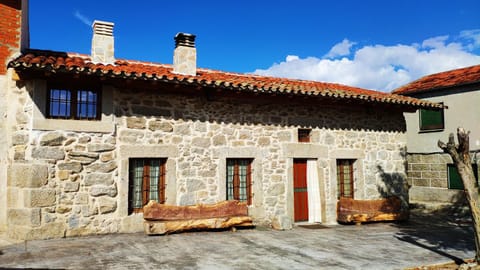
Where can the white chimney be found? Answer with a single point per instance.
(185, 55)
(102, 43)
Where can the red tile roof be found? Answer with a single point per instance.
(59, 62)
(442, 80)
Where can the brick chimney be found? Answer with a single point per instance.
(14, 30)
(102, 42)
(185, 55)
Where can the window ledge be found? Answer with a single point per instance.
(74, 125)
(431, 130)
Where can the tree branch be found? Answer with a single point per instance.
(463, 147)
(450, 148)
(442, 145)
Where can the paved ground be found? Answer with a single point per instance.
(422, 240)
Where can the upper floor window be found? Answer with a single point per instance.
(82, 104)
(431, 120)
(304, 134)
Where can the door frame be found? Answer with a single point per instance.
(321, 183)
(308, 151)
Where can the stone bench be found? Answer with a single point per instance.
(359, 211)
(162, 219)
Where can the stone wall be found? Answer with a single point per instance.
(3, 150)
(67, 188)
(428, 170)
(427, 177)
(66, 183)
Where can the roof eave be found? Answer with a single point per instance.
(435, 89)
(224, 85)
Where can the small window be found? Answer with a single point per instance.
(345, 178)
(431, 120)
(147, 182)
(304, 134)
(454, 179)
(73, 104)
(239, 180)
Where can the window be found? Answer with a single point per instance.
(454, 179)
(239, 180)
(73, 104)
(304, 134)
(147, 182)
(345, 178)
(431, 120)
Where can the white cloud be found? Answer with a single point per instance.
(436, 42)
(382, 67)
(291, 58)
(82, 18)
(340, 49)
(472, 38)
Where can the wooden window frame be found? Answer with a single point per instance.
(236, 180)
(161, 184)
(303, 135)
(431, 127)
(74, 101)
(341, 178)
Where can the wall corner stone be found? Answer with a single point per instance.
(27, 175)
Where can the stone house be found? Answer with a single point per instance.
(87, 140)
(431, 173)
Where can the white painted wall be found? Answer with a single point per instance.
(463, 111)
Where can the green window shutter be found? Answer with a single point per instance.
(431, 119)
(454, 180)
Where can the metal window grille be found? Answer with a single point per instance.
(60, 102)
(147, 182)
(73, 104)
(345, 178)
(239, 180)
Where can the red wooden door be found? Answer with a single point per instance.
(300, 194)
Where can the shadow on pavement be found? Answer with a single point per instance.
(439, 229)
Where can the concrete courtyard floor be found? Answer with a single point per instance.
(421, 240)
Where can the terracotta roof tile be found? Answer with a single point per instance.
(442, 80)
(61, 62)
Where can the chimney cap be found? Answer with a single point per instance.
(103, 28)
(185, 40)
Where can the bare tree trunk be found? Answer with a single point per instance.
(461, 158)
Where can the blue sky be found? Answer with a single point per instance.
(372, 44)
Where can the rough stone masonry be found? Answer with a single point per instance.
(67, 183)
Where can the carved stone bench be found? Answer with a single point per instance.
(162, 219)
(359, 211)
